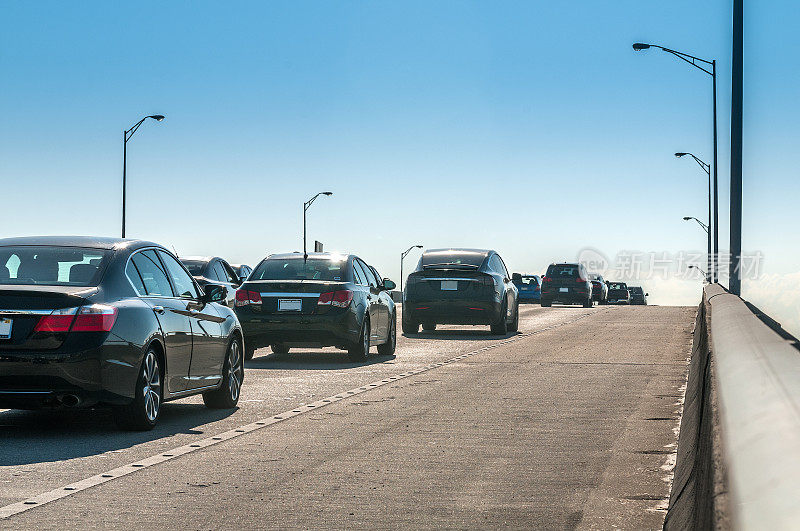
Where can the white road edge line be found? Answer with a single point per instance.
(168, 455)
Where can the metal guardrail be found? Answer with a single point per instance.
(757, 378)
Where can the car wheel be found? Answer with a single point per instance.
(409, 326)
(227, 396)
(546, 304)
(388, 348)
(279, 349)
(501, 328)
(429, 327)
(588, 303)
(360, 350)
(142, 414)
(514, 326)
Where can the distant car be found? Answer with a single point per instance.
(618, 293)
(121, 323)
(567, 283)
(460, 286)
(599, 288)
(638, 296)
(529, 286)
(214, 270)
(242, 271)
(326, 299)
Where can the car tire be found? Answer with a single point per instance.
(501, 328)
(388, 348)
(514, 326)
(429, 327)
(409, 326)
(143, 412)
(249, 353)
(227, 396)
(360, 350)
(546, 304)
(588, 303)
(279, 349)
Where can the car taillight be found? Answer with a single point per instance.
(57, 321)
(339, 298)
(245, 297)
(547, 279)
(581, 280)
(95, 318)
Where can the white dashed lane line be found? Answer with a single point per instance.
(87, 483)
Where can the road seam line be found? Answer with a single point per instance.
(169, 455)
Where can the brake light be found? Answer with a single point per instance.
(95, 318)
(547, 279)
(245, 297)
(339, 298)
(57, 321)
(581, 280)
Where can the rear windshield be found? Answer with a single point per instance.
(563, 270)
(451, 259)
(195, 267)
(617, 285)
(51, 266)
(635, 290)
(526, 281)
(299, 269)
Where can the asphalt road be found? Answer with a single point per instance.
(570, 423)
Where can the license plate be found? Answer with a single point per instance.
(5, 328)
(290, 305)
(449, 285)
(563, 290)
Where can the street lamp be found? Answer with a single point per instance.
(692, 60)
(125, 137)
(695, 267)
(306, 205)
(707, 169)
(703, 225)
(402, 257)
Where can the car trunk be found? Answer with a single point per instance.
(453, 284)
(291, 297)
(22, 307)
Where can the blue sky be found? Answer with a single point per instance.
(529, 127)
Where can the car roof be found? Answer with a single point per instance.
(458, 250)
(93, 242)
(299, 256)
(197, 258)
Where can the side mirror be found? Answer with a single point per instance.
(646, 294)
(242, 280)
(388, 285)
(214, 293)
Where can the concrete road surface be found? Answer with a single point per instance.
(570, 423)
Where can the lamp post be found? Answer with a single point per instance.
(402, 257)
(707, 169)
(306, 205)
(695, 267)
(125, 137)
(692, 60)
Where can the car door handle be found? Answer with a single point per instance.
(158, 309)
(193, 312)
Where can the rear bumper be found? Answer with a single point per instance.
(530, 296)
(570, 297)
(33, 380)
(339, 329)
(457, 312)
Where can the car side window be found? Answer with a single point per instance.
(220, 272)
(136, 279)
(373, 282)
(358, 274)
(230, 275)
(211, 271)
(154, 278)
(184, 285)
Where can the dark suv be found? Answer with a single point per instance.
(618, 293)
(460, 286)
(638, 296)
(568, 284)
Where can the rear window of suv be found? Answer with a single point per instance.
(617, 285)
(299, 269)
(51, 266)
(564, 270)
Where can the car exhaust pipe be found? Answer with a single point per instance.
(69, 400)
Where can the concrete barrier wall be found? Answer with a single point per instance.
(739, 447)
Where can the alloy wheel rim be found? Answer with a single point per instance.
(152, 386)
(235, 371)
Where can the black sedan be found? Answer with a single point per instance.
(318, 300)
(599, 288)
(86, 321)
(242, 271)
(460, 286)
(214, 270)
